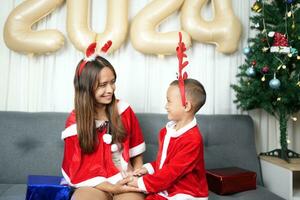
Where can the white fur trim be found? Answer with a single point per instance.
(114, 179)
(141, 184)
(164, 151)
(88, 183)
(173, 133)
(122, 106)
(70, 131)
(93, 181)
(134, 151)
(91, 57)
(149, 168)
(186, 197)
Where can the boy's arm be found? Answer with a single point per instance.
(183, 162)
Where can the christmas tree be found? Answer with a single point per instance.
(269, 78)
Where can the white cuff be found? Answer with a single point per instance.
(137, 150)
(149, 168)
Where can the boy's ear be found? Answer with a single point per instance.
(188, 106)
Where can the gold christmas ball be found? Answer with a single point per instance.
(257, 7)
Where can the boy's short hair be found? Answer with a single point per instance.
(194, 92)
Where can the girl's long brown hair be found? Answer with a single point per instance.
(85, 103)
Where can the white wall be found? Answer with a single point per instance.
(45, 83)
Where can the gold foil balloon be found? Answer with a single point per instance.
(144, 36)
(78, 25)
(18, 33)
(224, 30)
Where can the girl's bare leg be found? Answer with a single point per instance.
(129, 195)
(90, 193)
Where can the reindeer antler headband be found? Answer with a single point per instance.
(181, 64)
(91, 54)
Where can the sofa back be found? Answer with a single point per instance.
(31, 145)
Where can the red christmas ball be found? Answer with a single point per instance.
(265, 69)
(254, 62)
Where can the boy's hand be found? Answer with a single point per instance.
(140, 172)
(126, 174)
(133, 182)
(124, 185)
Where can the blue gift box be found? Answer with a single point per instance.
(47, 188)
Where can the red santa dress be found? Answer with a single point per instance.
(82, 170)
(178, 172)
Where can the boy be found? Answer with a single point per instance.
(178, 172)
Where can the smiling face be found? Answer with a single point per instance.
(174, 106)
(105, 86)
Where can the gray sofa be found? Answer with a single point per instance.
(30, 145)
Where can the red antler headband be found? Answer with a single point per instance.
(91, 54)
(181, 77)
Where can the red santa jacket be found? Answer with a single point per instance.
(92, 169)
(178, 172)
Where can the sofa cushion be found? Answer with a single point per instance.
(30, 144)
(260, 193)
(12, 191)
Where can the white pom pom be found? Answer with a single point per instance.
(114, 147)
(107, 138)
(271, 34)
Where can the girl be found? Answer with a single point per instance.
(103, 139)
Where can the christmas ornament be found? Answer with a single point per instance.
(280, 44)
(265, 49)
(283, 66)
(274, 83)
(251, 72)
(294, 51)
(253, 62)
(265, 69)
(246, 50)
(263, 39)
(256, 7)
(263, 78)
(289, 1)
(271, 34)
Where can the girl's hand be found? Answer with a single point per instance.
(134, 182)
(140, 172)
(122, 187)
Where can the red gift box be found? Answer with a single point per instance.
(230, 180)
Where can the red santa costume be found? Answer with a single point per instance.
(178, 172)
(81, 170)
